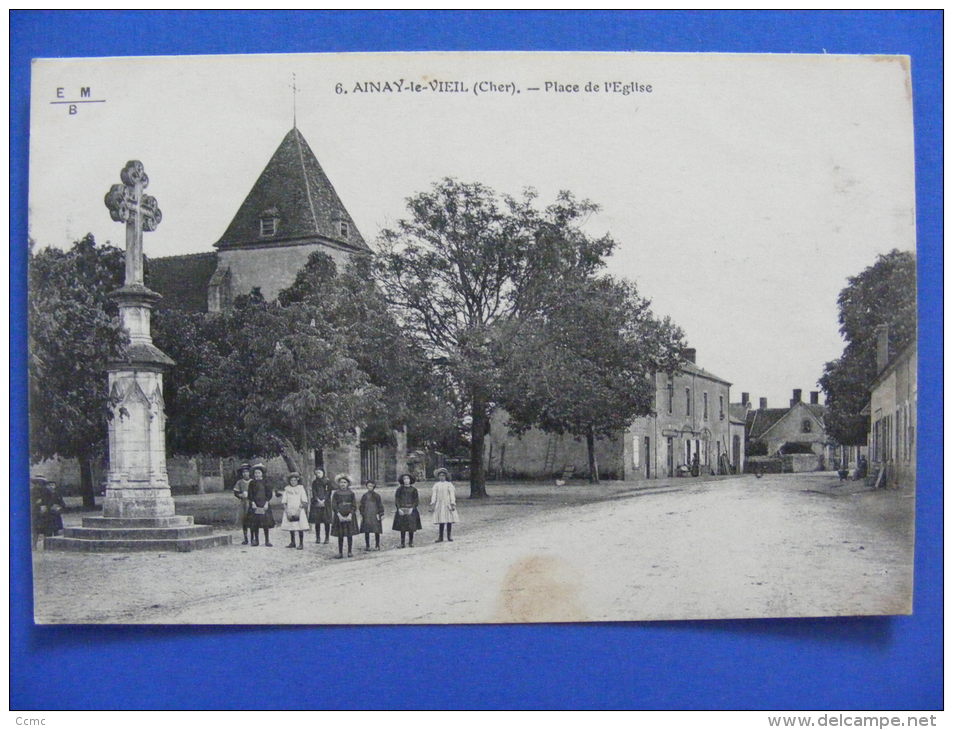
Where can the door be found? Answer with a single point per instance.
(736, 453)
(648, 465)
(670, 456)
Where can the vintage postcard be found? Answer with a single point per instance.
(471, 338)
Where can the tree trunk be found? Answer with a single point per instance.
(289, 455)
(86, 482)
(591, 447)
(477, 438)
(307, 474)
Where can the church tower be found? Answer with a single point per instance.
(291, 211)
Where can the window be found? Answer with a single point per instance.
(343, 229)
(269, 226)
(671, 396)
(806, 425)
(705, 406)
(688, 401)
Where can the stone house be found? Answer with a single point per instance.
(690, 417)
(892, 441)
(799, 428)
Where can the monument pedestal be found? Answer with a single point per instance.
(158, 534)
(138, 510)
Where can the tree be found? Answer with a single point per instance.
(467, 267)
(882, 294)
(262, 378)
(73, 331)
(410, 392)
(588, 368)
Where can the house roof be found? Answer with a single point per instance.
(294, 189)
(760, 420)
(182, 280)
(737, 412)
(687, 366)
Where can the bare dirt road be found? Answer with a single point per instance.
(784, 545)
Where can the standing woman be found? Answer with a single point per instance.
(259, 509)
(407, 499)
(295, 499)
(344, 514)
(321, 505)
(443, 504)
(240, 490)
(372, 516)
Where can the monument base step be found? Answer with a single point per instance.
(138, 533)
(133, 544)
(112, 522)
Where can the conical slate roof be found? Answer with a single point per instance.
(295, 200)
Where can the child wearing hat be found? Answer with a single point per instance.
(372, 516)
(294, 497)
(406, 518)
(344, 514)
(321, 504)
(443, 504)
(240, 490)
(259, 509)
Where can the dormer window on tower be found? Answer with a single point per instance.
(268, 223)
(343, 229)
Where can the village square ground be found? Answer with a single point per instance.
(726, 547)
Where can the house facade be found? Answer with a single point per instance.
(892, 440)
(690, 416)
(797, 429)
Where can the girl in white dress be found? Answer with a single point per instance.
(443, 504)
(295, 500)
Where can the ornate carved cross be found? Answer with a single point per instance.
(140, 212)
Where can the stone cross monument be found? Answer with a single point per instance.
(138, 484)
(138, 510)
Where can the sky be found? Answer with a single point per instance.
(742, 191)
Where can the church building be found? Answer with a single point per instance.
(291, 211)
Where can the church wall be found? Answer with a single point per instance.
(271, 269)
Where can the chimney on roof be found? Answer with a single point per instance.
(796, 397)
(744, 398)
(814, 397)
(883, 344)
(688, 353)
(763, 404)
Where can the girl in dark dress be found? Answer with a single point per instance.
(321, 505)
(344, 515)
(372, 516)
(259, 509)
(407, 518)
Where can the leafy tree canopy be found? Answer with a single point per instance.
(468, 267)
(882, 294)
(73, 331)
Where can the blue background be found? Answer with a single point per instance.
(875, 663)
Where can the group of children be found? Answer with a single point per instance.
(337, 508)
